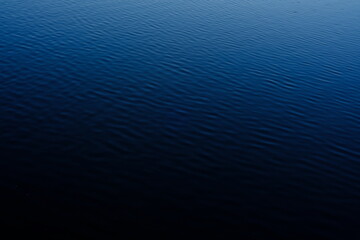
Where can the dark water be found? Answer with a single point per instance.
(180, 116)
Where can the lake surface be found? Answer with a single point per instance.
(180, 116)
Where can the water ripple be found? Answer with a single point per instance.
(221, 116)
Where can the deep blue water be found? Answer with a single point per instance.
(180, 116)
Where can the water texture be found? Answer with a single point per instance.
(180, 116)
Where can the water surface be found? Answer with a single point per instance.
(181, 116)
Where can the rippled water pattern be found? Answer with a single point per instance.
(185, 116)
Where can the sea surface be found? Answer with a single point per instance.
(186, 117)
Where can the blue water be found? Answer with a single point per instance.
(180, 117)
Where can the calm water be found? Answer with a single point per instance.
(180, 116)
